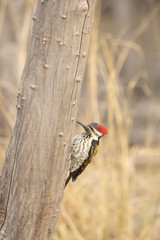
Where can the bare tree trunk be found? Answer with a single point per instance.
(32, 180)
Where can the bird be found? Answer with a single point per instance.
(84, 147)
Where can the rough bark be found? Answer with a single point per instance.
(32, 179)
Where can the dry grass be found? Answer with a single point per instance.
(118, 195)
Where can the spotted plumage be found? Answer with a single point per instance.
(83, 148)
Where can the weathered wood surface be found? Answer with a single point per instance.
(32, 179)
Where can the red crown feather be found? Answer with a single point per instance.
(103, 129)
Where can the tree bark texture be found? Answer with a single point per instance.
(33, 176)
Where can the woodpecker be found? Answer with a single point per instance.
(84, 146)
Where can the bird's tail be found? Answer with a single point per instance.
(67, 180)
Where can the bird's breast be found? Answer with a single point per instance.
(81, 149)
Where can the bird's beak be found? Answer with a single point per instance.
(83, 125)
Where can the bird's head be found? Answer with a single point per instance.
(94, 129)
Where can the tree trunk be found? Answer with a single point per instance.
(33, 176)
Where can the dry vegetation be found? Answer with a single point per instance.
(118, 195)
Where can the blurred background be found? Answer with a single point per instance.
(118, 195)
